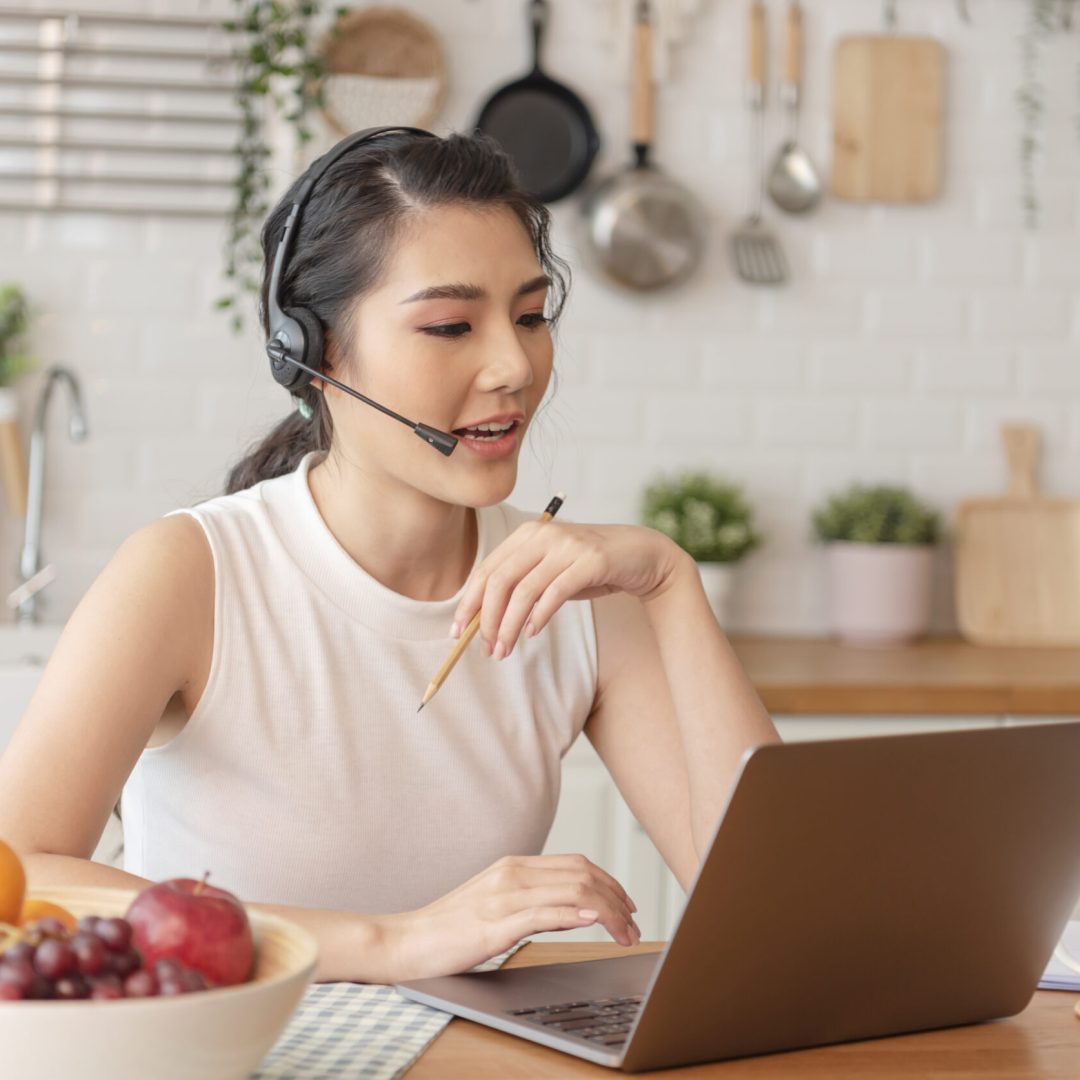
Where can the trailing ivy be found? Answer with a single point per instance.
(278, 67)
(1045, 19)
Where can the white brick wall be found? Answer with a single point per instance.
(906, 337)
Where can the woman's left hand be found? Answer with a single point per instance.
(520, 585)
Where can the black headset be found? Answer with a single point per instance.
(295, 345)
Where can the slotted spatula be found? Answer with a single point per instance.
(759, 259)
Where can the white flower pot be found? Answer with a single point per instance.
(9, 404)
(717, 579)
(879, 594)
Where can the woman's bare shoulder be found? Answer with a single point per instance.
(171, 551)
(160, 582)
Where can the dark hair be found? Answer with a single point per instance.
(348, 230)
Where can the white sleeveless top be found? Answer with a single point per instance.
(305, 775)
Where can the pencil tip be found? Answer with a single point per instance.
(421, 706)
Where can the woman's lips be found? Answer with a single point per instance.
(491, 448)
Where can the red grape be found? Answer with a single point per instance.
(71, 987)
(17, 972)
(168, 968)
(116, 933)
(141, 984)
(88, 924)
(51, 927)
(54, 958)
(89, 953)
(10, 992)
(21, 950)
(123, 963)
(105, 987)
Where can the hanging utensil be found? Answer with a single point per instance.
(759, 259)
(641, 228)
(543, 125)
(794, 183)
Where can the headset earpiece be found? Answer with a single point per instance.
(305, 333)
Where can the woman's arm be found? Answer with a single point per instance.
(137, 639)
(674, 713)
(668, 675)
(719, 713)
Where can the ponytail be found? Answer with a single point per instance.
(280, 452)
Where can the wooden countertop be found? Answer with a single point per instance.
(1042, 1043)
(935, 676)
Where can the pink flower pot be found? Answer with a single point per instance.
(879, 594)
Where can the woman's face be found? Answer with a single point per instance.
(454, 335)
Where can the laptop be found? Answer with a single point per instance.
(853, 888)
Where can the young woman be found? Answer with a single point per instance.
(245, 674)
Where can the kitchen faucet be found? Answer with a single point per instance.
(30, 559)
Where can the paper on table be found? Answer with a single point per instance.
(1057, 976)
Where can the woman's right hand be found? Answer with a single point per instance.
(516, 896)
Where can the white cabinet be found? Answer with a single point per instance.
(593, 818)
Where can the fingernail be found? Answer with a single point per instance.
(499, 651)
(529, 629)
(455, 629)
(486, 647)
(633, 906)
(588, 913)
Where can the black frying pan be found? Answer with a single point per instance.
(543, 125)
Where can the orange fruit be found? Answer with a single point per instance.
(12, 884)
(38, 909)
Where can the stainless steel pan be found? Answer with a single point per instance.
(639, 227)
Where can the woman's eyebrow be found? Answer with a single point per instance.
(461, 291)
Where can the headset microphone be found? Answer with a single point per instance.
(295, 346)
(441, 440)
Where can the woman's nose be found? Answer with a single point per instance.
(507, 363)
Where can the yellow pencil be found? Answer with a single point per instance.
(474, 623)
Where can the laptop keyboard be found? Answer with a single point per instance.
(604, 1020)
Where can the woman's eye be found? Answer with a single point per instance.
(531, 320)
(447, 329)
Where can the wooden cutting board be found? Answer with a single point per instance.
(1017, 558)
(888, 111)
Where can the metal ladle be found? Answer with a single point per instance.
(793, 184)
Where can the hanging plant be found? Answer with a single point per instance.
(277, 65)
(1046, 18)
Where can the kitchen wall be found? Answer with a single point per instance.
(906, 335)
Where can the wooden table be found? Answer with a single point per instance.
(937, 676)
(1042, 1043)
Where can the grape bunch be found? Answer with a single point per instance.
(96, 961)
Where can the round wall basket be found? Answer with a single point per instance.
(383, 65)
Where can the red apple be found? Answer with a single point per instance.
(205, 928)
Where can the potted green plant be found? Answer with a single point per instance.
(880, 544)
(711, 520)
(14, 360)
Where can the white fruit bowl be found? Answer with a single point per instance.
(220, 1034)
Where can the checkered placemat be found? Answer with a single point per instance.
(356, 1031)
